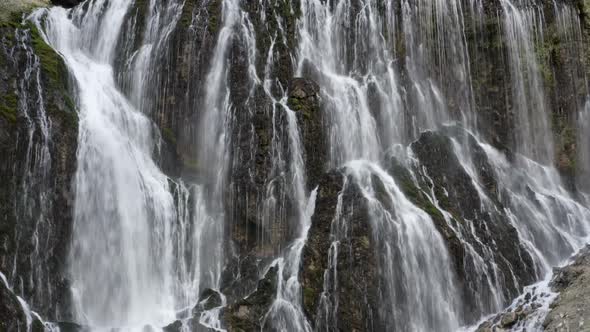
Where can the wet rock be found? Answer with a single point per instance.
(35, 233)
(240, 277)
(571, 310)
(174, 327)
(208, 299)
(12, 317)
(188, 325)
(508, 319)
(304, 99)
(72, 327)
(442, 172)
(356, 266)
(246, 314)
(485, 327)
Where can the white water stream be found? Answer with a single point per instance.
(128, 226)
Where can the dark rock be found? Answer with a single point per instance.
(208, 299)
(67, 3)
(304, 99)
(35, 233)
(240, 277)
(246, 314)
(443, 173)
(176, 326)
(508, 319)
(12, 318)
(357, 265)
(72, 327)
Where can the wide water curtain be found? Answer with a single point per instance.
(311, 165)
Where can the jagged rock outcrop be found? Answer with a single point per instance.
(474, 219)
(248, 313)
(13, 316)
(304, 98)
(356, 265)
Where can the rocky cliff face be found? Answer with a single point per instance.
(493, 207)
(38, 140)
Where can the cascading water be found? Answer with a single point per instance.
(330, 49)
(391, 74)
(522, 29)
(122, 255)
(355, 66)
(35, 200)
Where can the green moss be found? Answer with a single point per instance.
(191, 165)
(548, 53)
(186, 18)
(55, 79)
(565, 138)
(414, 194)
(309, 296)
(8, 113)
(52, 64)
(168, 135)
(214, 10)
(12, 11)
(263, 137)
(9, 107)
(70, 103)
(294, 104)
(12, 20)
(365, 242)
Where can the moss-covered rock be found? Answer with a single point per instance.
(11, 9)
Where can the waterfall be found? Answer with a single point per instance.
(356, 69)
(456, 224)
(121, 257)
(523, 27)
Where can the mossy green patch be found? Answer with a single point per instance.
(191, 165)
(52, 64)
(11, 11)
(168, 135)
(309, 296)
(414, 193)
(548, 54)
(294, 104)
(214, 10)
(565, 137)
(186, 17)
(9, 107)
